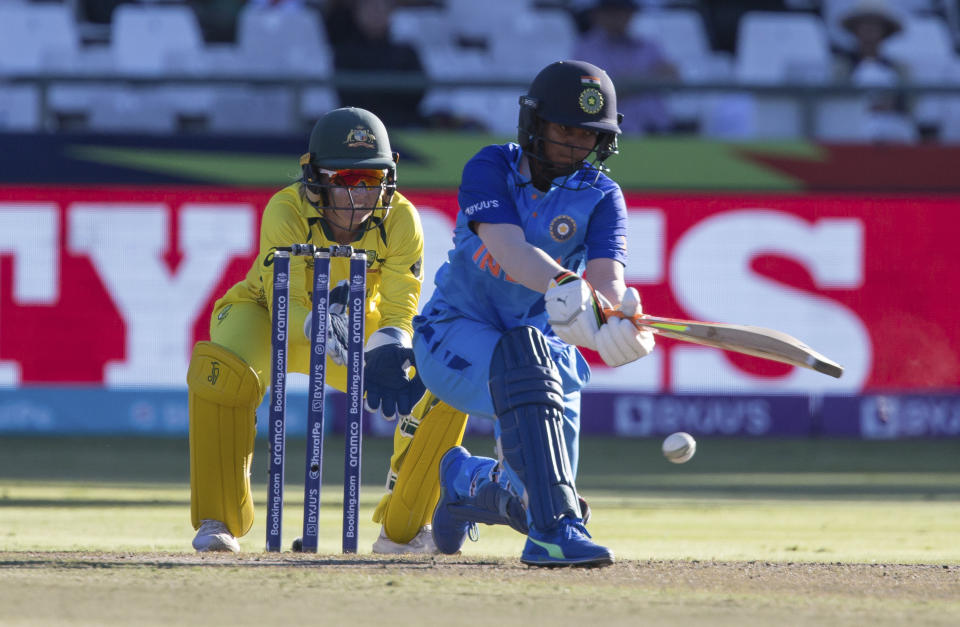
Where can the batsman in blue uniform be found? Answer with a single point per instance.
(498, 339)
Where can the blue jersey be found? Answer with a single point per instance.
(571, 226)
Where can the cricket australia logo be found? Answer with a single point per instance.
(371, 257)
(360, 137)
(562, 228)
(591, 100)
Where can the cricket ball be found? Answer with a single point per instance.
(297, 545)
(679, 447)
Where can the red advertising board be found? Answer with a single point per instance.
(113, 285)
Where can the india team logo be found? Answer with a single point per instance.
(360, 137)
(591, 100)
(562, 228)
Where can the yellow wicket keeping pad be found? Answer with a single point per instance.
(413, 484)
(224, 393)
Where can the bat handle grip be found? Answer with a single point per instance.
(616, 313)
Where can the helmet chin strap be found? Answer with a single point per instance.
(543, 172)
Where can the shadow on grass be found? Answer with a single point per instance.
(741, 467)
(81, 503)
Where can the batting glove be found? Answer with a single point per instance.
(574, 309)
(619, 341)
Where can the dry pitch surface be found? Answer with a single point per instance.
(773, 532)
(262, 589)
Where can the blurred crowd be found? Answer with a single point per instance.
(875, 44)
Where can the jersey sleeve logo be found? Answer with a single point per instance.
(480, 206)
(562, 228)
(223, 313)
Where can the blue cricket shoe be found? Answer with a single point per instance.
(450, 531)
(568, 544)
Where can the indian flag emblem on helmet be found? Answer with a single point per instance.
(591, 100)
(590, 81)
(360, 137)
(562, 228)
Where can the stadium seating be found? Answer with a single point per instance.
(923, 46)
(122, 109)
(475, 43)
(680, 33)
(42, 40)
(242, 110)
(778, 48)
(513, 54)
(420, 27)
(37, 38)
(458, 40)
(950, 126)
(19, 108)
(845, 119)
(145, 41)
(774, 48)
(156, 39)
(31, 41)
(287, 44)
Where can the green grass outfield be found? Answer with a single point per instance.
(737, 499)
(73, 511)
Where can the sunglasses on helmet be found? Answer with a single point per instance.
(348, 177)
(355, 178)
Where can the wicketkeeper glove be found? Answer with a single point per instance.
(336, 323)
(387, 383)
(619, 341)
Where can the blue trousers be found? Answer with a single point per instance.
(453, 354)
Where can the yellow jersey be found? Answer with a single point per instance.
(394, 250)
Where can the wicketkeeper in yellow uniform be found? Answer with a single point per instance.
(347, 195)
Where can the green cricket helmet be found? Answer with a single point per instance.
(350, 141)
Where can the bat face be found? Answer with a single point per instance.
(749, 340)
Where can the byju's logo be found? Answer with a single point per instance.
(892, 417)
(479, 206)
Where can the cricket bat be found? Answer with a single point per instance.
(749, 340)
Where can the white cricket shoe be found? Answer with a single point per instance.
(421, 543)
(214, 536)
